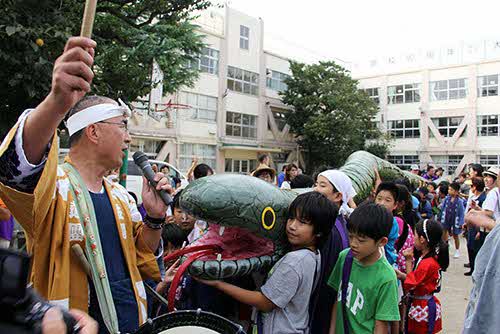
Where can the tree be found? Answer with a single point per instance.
(129, 34)
(331, 117)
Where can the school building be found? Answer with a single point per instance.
(447, 115)
(234, 110)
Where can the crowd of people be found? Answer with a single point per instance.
(370, 267)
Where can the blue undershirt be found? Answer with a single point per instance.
(116, 268)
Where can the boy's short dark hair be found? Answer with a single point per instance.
(202, 170)
(302, 181)
(371, 220)
(262, 157)
(176, 180)
(478, 183)
(443, 188)
(455, 185)
(405, 182)
(464, 175)
(176, 201)
(434, 185)
(174, 234)
(423, 190)
(429, 168)
(390, 187)
(317, 209)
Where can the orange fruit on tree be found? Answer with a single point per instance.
(39, 42)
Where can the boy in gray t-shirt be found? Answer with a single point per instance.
(284, 299)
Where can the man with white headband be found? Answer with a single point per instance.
(337, 187)
(72, 207)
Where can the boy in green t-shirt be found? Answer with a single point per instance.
(372, 292)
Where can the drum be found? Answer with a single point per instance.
(190, 322)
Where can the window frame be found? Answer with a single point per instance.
(450, 130)
(488, 126)
(407, 132)
(251, 165)
(482, 87)
(413, 89)
(404, 161)
(373, 93)
(247, 81)
(197, 151)
(232, 124)
(487, 159)
(244, 37)
(275, 80)
(195, 109)
(445, 94)
(212, 57)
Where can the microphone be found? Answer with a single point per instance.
(142, 161)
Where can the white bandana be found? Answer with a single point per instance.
(343, 184)
(95, 114)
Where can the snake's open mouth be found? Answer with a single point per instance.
(223, 252)
(234, 243)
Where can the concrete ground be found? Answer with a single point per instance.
(455, 290)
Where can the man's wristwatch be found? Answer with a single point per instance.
(154, 223)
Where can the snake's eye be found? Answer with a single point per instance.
(268, 218)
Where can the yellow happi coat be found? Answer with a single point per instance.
(51, 223)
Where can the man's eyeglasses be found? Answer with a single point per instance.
(123, 125)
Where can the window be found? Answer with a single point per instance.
(448, 89)
(487, 85)
(448, 162)
(409, 128)
(149, 146)
(489, 160)
(447, 126)
(409, 93)
(241, 125)
(404, 161)
(242, 81)
(244, 37)
(202, 107)
(488, 126)
(240, 166)
(208, 61)
(205, 154)
(275, 80)
(373, 94)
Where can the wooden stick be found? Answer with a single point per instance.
(88, 18)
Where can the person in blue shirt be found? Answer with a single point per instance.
(424, 208)
(387, 195)
(452, 215)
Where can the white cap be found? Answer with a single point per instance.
(414, 167)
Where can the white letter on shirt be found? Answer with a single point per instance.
(358, 303)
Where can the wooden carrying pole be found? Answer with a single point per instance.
(88, 18)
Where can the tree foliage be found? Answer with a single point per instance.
(129, 34)
(331, 117)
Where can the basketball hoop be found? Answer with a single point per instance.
(167, 108)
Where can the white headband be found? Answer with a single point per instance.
(95, 114)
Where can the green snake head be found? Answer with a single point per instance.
(247, 220)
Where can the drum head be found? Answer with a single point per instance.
(190, 322)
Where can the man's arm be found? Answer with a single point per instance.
(381, 327)
(71, 79)
(333, 321)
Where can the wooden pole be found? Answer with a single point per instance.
(88, 18)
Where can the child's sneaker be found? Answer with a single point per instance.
(457, 254)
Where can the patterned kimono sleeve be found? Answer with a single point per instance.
(26, 189)
(416, 277)
(146, 260)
